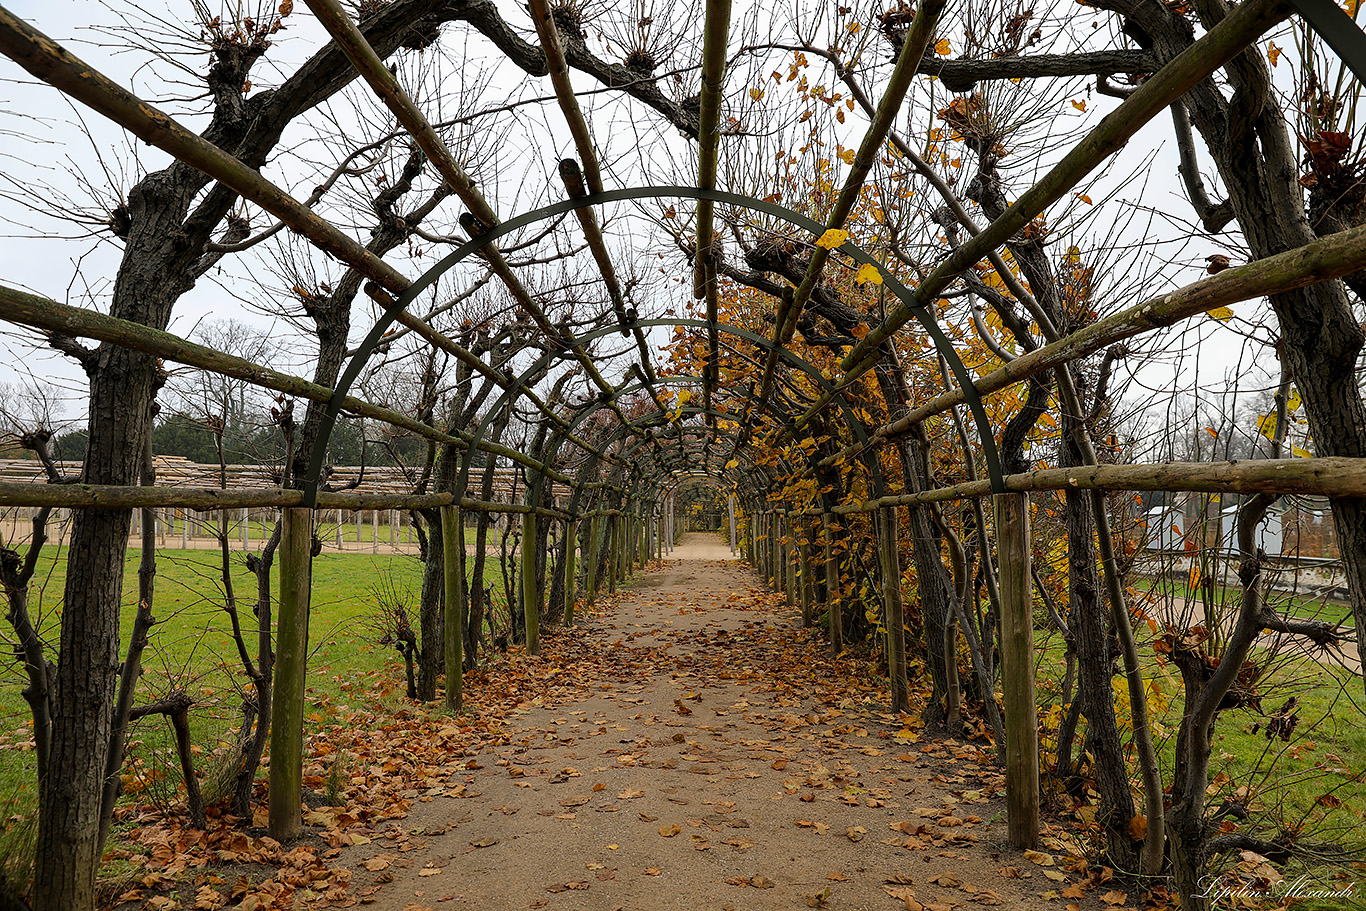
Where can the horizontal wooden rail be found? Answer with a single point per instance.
(1331, 476)
(203, 499)
(1320, 260)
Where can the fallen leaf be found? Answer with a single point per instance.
(1114, 897)
(670, 831)
(484, 842)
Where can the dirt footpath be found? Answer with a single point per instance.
(709, 757)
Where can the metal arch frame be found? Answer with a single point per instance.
(857, 427)
(545, 360)
(658, 471)
(918, 309)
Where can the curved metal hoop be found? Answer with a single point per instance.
(922, 313)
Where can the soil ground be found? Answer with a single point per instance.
(708, 756)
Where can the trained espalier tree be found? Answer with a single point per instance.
(890, 297)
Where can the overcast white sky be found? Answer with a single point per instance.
(44, 138)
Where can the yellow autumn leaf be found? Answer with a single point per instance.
(1273, 54)
(942, 47)
(847, 156)
(1266, 425)
(832, 238)
(868, 273)
(1073, 254)
(1080, 105)
(1301, 453)
(1293, 403)
(1084, 198)
(1223, 313)
(756, 94)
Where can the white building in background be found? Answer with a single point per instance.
(1166, 525)
(1268, 537)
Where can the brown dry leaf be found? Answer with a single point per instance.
(778, 765)
(599, 786)
(899, 879)
(378, 862)
(581, 884)
(837, 877)
(1073, 891)
(761, 882)
(630, 794)
(855, 833)
(948, 880)
(1040, 858)
(1055, 876)
(1114, 897)
(653, 871)
(1010, 872)
(429, 871)
(577, 800)
(902, 894)
(670, 831)
(1138, 827)
(988, 897)
(484, 842)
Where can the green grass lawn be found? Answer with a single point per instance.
(191, 648)
(1310, 784)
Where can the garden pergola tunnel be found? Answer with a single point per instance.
(622, 489)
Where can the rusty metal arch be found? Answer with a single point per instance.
(918, 308)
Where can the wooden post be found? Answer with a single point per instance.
(531, 596)
(571, 581)
(374, 531)
(360, 518)
(393, 527)
(613, 533)
(832, 586)
(893, 616)
(804, 567)
(185, 530)
(591, 581)
(339, 528)
(790, 566)
(246, 528)
(453, 627)
(775, 568)
(730, 517)
(291, 646)
(1017, 669)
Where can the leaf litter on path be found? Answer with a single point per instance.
(717, 714)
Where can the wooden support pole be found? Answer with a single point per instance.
(730, 518)
(613, 534)
(804, 568)
(893, 616)
(571, 576)
(246, 528)
(594, 532)
(374, 531)
(531, 595)
(832, 586)
(1017, 669)
(790, 567)
(291, 656)
(453, 627)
